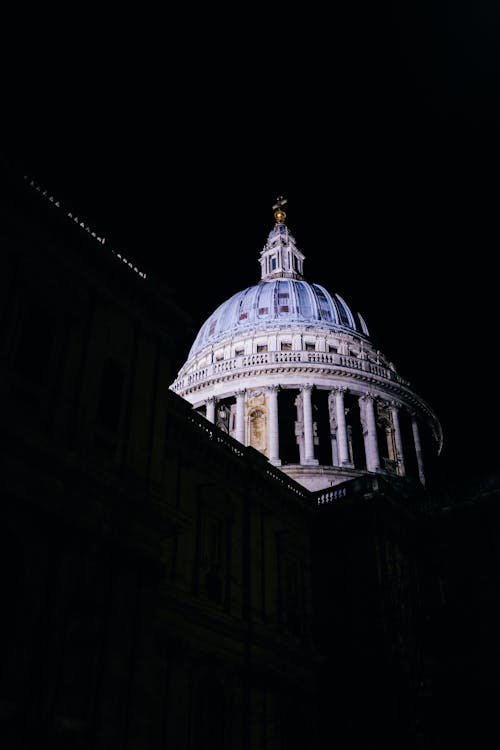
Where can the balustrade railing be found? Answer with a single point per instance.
(248, 361)
(352, 488)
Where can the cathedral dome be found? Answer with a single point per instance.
(280, 302)
(288, 368)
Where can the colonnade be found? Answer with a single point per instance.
(339, 428)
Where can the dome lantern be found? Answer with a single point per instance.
(280, 257)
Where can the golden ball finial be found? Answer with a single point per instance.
(279, 214)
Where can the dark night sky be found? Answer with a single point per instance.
(172, 137)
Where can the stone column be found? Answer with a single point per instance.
(371, 443)
(210, 404)
(273, 425)
(398, 440)
(308, 425)
(418, 448)
(341, 426)
(240, 416)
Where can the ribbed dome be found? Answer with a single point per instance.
(286, 367)
(280, 302)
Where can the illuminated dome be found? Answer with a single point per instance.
(281, 302)
(286, 367)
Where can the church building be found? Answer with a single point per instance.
(239, 551)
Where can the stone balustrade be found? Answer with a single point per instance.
(247, 362)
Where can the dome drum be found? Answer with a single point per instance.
(343, 431)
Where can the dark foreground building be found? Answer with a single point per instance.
(165, 586)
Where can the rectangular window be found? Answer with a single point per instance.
(310, 347)
(261, 348)
(286, 346)
(332, 349)
(239, 352)
(273, 263)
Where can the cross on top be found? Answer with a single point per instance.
(280, 201)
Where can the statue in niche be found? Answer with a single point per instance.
(258, 429)
(332, 413)
(222, 417)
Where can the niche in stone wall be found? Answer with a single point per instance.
(257, 422)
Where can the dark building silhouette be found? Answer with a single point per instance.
(164, 586)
